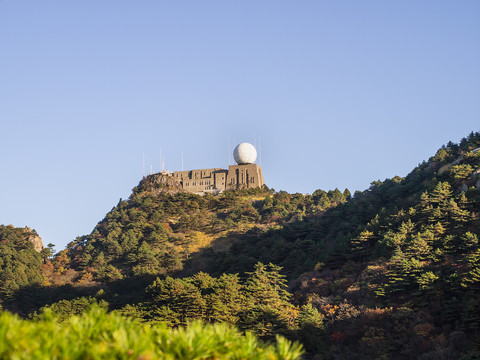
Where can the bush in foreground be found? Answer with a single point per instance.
(97, 335)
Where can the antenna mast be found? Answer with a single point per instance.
(161, 162)
(228, 151)
(260, 150)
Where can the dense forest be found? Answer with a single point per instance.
(390, 272)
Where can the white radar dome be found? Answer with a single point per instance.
(245, 153)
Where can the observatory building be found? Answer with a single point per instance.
(245, 175)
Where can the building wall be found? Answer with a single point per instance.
(213, 180)
(244, 176)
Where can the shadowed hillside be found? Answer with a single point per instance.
(390, 272)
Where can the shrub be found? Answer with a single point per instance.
(98, 335)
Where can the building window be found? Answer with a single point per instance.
(252, 179)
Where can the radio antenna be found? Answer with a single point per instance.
(260, 150)
(228, 151)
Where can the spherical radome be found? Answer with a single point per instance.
(245, 153)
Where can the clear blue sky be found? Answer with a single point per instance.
(340, 93)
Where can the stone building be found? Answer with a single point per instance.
(244, 175)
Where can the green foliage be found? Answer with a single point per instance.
(259, 303)
(96, 335)
(394, 269)
(462, 172)
(426, 280)
(20, 264)
(267, 310)
(48, 252)
(64, 309)
(153, 233)
(471, 278)
(441, 155)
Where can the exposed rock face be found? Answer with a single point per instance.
(476, 173)
(457, 161)
(463, 188)
(444, 168)
(159, 183)
(34, 238)
(477, 185)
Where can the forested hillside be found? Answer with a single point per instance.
(390, 272)
(20, 264)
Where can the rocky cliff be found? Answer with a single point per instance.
(158, 183)
(32, 236)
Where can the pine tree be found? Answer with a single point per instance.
(418, 247)
(361, 244)
(267, 285)
(455, 214)
(268, 310)
(471, 279)
(442, 192)
(227, 299)
(146, 261)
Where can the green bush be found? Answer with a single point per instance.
(98, 335)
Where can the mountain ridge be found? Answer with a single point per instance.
(391, 271)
